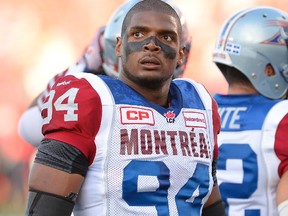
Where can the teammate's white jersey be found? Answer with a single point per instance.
(253, 153)
(143, 159)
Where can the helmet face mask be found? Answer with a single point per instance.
(113, 30)
(250, 41)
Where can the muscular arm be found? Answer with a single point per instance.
(52, 192)
(55, 179)
(63, 156)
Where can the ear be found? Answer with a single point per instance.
(181, 55)
(118, 46)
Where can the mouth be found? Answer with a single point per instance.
(150, 62)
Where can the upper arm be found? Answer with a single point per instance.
(58, 168)
(54, 181)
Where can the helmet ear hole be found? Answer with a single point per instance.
(269, 70)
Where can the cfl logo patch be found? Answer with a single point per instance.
(170, 116)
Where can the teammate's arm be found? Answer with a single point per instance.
(30, 124)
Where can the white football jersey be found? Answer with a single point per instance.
(144, 159)
(253, 153)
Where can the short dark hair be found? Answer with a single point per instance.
(151, 5)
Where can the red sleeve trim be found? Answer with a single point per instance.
(216, 127)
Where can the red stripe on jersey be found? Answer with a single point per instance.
(281, 145)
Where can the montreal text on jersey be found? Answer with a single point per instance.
(148, 142)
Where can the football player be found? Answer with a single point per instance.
(252, 54)
(142, 144)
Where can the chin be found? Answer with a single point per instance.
(152, 81)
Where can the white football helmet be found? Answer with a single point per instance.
(252, 39)
(113, 30)
(91, 58)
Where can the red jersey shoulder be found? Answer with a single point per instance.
(43, 95)
(73, 105)
(74, 96)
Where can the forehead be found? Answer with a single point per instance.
(153, 19)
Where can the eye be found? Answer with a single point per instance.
(167, 38)
(137, 34)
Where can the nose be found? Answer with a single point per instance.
(151, 45)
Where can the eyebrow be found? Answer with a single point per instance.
(143, 28)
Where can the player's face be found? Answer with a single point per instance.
(150, 49)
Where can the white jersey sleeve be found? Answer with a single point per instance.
(29, 126)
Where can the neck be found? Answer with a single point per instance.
(156, 96)
(240, 88)
(159, 95)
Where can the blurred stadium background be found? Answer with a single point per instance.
(40, 38)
